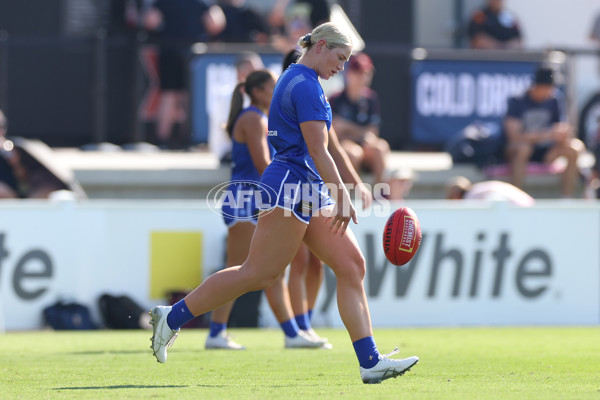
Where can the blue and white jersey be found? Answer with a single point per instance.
(298, 97)
(239, 201)
(292, 178)
(242, 166)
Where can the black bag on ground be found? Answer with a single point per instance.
(481, 144)
(201, 321)
(68, 316)
(121, 312)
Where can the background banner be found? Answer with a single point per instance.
(447, 95)
(478, 264)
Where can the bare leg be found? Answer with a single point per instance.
(519, 155)
(376, 151)
(267, 259)
(343, 255)
(239, 237)
(314, 279)
(169, 113)
(355, 153)
(571, 151)
(279, 300)
(297, 286)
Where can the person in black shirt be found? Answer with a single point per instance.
(244, 25)
(537, 130)
(178, 24)
(493, 27)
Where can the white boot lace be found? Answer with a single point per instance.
(395, 351)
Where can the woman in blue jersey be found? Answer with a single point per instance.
(250, 156)
(306, 270)
(299, 119)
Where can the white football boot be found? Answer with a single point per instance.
(387, 368)
(326, 346)
(303, 341)
(162, 335)
(222, 341)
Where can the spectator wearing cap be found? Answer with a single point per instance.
(494, 27)
(356, 118)
(537, 131)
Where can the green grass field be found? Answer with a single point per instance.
(461, 363)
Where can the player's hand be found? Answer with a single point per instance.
(343, 212)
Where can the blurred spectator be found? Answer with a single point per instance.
(356, 118)
(459, 188)
(243, 24)
(400, 182)
(28, 170)
(592, 189)
(318, 12)
(296, 24)
(246, 63)
(594, 182)
(494, 27)
(536, 131)
(126, 15)
(293, 19)
(178, 23)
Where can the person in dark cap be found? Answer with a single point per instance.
(537, 131)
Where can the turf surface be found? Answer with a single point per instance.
(461, 363)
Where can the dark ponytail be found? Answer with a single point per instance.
(235, 108)
(255, 80)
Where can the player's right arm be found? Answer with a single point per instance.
(346, 170)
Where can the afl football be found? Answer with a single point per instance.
(401, 236)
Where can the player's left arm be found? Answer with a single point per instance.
(345, 168)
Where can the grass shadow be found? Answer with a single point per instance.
(215, 386)
(140, 351)
(121, 387)
(98, 352)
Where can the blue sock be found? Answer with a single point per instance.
(290, 328)
(303, 321)
(366, 351)
(216, 328)
(179, 315)
(310, 315)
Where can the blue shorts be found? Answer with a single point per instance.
(281, 187)
(239, 203)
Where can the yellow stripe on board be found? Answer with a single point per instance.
(175, 262)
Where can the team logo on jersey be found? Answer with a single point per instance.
(272, 133)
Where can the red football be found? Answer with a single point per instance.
(401, 236)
